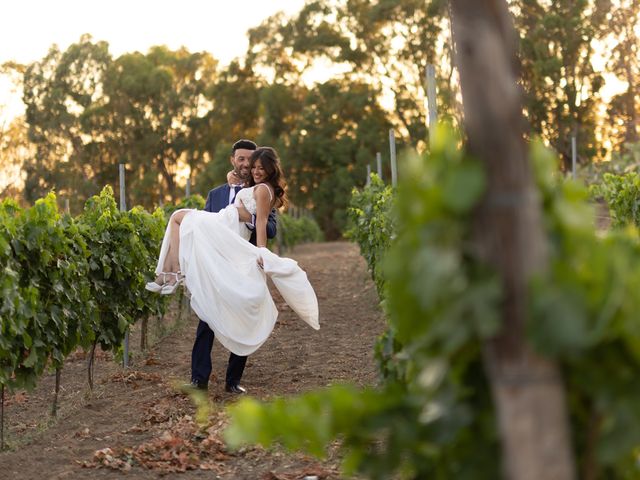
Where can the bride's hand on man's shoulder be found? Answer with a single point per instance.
(233, 179)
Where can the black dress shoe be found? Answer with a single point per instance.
(235, 389)
(194, 385)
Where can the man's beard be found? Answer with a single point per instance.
(244, 177)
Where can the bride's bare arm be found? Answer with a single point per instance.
(233, 179)
(263, 207)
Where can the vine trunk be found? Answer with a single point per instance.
(508, 234)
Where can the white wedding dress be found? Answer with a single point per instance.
(228, 289)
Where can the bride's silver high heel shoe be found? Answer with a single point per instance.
(157, 287)
(169, 289)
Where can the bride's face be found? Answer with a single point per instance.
(258, 172)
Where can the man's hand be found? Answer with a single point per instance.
(243, 213)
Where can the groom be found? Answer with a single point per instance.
(217, 199)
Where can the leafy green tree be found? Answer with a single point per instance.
(280, 110)
(58, 90)
(386, 45)
(87, 112)
(150, 118)
(381, 50)
(561, 84)
(624, 62)
(14, 151)
(337, 134)
(393, 43)
(234, 113)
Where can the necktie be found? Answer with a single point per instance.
(236, 189)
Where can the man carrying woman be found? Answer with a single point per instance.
(220, 255)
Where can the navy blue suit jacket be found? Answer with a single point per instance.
(218, 199)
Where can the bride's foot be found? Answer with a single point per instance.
(170, 286)
(159, 283)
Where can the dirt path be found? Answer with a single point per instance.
(138, 422)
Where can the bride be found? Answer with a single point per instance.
(210, 253)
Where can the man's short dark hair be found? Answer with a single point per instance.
(243, 144)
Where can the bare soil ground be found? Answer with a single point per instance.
(137, 424)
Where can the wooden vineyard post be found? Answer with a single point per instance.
(54, 405)
(180, 307)
(123, 208)
(2, 418)
(143, 334)
(574, 156)
(392, 156)
(90, 364)
(431, 99)
(279, 236)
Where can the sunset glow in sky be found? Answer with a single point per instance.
(30, 27)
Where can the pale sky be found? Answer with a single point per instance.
(30, 27)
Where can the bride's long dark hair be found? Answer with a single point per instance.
(271, 163)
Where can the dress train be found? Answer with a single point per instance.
(228, 289)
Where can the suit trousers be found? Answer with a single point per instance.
(201, 359)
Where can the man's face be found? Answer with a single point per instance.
(240, 162)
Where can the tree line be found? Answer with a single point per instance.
(323, 86)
